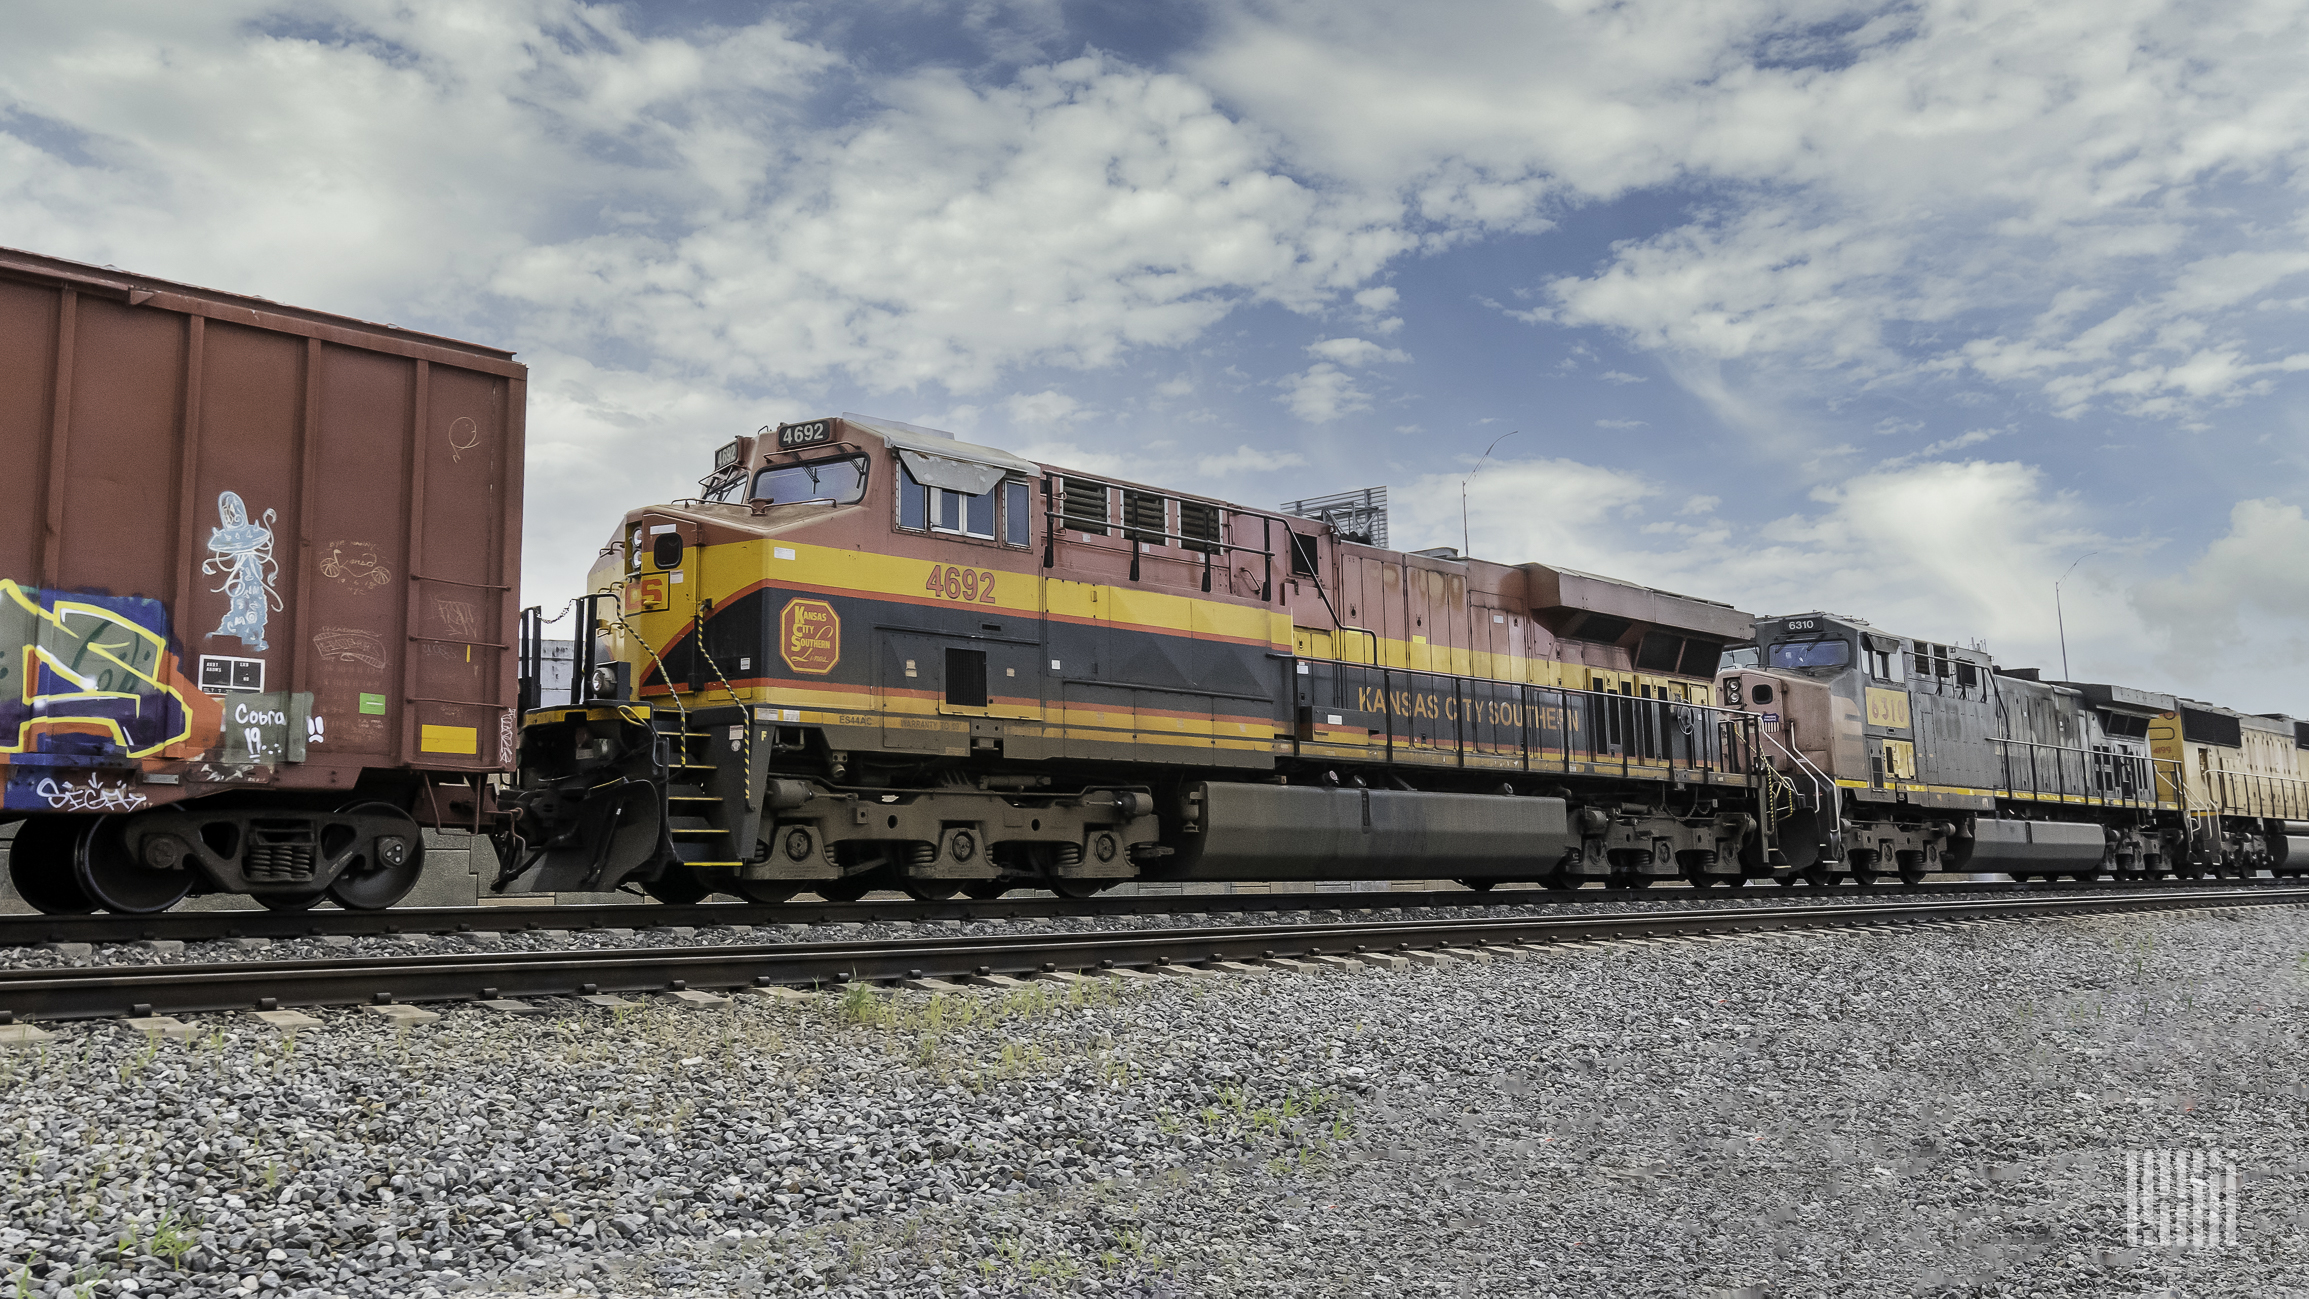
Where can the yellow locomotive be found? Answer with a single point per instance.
(2242, 781)
(871, 655)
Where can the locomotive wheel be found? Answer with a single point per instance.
(770, 891)
(849, 888)
(1080, 888)
(387, 868)
(677, 886)
(985, 890)
(40, 866)
(1479, 886)
(1792, 879)
(113, 878)
(1912, 876)
(1701, 880)
(931, 890)
(1819, 877)
(291, 901)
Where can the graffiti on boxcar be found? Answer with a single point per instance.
(266, 729)
(350, 645)
(461, 617)
(241, 551)
(464, 435)
(87, 794)
(355, 564)
(89, 676)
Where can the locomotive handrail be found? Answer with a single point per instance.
(2103, 778)
(1821, 784)
(2253, 793)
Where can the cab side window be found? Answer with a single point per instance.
(1883, 664)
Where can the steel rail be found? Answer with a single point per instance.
(100, 991)
(209, 926)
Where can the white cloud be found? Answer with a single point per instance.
(1622, 423)
(1968, 438)
(2243, 604)
(1322, 393)
(1048, 407)
(1557, 511)
(1246, 459)
(1622, 377)
(1355, 352)
(1880, 193)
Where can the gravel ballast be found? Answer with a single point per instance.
(1939, 1110)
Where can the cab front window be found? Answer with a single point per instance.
(841, 481)
(1811, 654)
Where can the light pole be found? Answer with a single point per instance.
(1463, 546)
(2061, 621)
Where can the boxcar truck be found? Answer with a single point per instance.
(257, 589)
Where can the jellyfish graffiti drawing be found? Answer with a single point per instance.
(242, 553)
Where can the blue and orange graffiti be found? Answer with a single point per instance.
(90, 680)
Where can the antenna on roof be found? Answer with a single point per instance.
(1464, 548)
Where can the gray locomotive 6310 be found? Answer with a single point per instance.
(1907, 756)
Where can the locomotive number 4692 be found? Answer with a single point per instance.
(970, 585)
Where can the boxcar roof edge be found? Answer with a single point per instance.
(241, 308)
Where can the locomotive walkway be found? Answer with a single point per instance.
(684, 972)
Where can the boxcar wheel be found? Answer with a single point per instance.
(40, 866)
(1479, 886)
(931, 890)
(766, 891)
(388, 866)
(113, 878)
(985, 890)
(291, 901)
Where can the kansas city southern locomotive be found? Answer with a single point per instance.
(256, 632)
(873, 656)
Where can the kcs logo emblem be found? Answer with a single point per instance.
(810, 636)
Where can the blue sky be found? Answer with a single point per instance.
(1894, 310)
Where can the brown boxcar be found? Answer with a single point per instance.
(257, 574)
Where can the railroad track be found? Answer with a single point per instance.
(210, 926)
(96, 992)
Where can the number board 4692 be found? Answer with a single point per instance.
(967, 585)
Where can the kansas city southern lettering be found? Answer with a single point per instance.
(810, 636)
(1481, 712)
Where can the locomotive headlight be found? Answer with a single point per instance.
(1731, 692)
(604, 682)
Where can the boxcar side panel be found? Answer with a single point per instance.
(118, 504)
(28, 340)
(351, 624)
